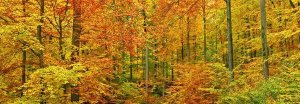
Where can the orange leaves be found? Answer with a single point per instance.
(193, 85)
(92, 90)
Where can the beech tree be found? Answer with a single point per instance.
(229, 36)
(265, 51)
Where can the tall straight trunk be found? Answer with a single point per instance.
(188, 39)
(131, 67)
(137, 58)
(204, 32)
(62, 56)
(147, 50)
(182, 44)
(39, 37)
(23, 69)
(230, 47)
(264, 39)
(298, 18)
(39, 33)
(195, 49)
(23, 52)
(77, 29)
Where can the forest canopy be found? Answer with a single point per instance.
(149, 51)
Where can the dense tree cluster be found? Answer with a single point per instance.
(149, 51)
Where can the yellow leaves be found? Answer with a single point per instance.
(50, 81)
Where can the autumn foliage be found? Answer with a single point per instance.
(149, 51)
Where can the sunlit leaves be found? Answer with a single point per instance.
(48, 83)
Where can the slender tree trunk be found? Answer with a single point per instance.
(62, 56)
(39, 33)
(39, 37)
(147, 50)
(195, 49)
(264, 39)
(204, 32)
(188, 39)
(182, 44)
(131, 67)
(216, 42)
(230, 47)
(23, 69)
(23, 53)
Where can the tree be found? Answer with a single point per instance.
(92, 46)
(39, 32)
(265, 51)
(23, 52)
(77, 29)
(229, 36)
(204, 29)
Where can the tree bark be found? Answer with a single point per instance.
(182, 43)
(77, 29)
(23, 69)
(131, 67)
(195, 49)
(39, 33)
(204, 31)
(23, 80)
(188, 39)
(146, 49)
(39, 37)
(230, 47)
(264, 39)
(62, 56)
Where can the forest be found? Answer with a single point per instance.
(149, 51)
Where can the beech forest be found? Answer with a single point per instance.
(149, 51)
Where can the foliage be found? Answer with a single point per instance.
(96, 49)
(48, 84)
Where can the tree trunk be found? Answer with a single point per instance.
(147, 50)
(23, 69)
(195, 49)
(131, 66)
(264, 39)
(77, 29)
(182, 44)
(39, 33)
(62, 56)
(230, 47)
(39, 37)
(23, 53)
(204, 32)
(188, 39)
